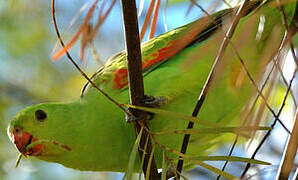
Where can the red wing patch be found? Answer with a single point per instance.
(120, 75)
(160, 55)
(120, 79)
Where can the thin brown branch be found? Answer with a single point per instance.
(256, 87)
(288, 29)
(220, 54)
(272, 125)
(101, 19)
(249, 113)
(260, 91)
(86, 30)
(194, 3)
(95, 55)
(200, 7)
(102, 8)
(292, 30)
(230, 154)
(61, 52)
(154, 20)
(77, 66)
(289, 152)
(147, 19)
(135, 78)
(284, 80)
(85, 23)
(71, 23)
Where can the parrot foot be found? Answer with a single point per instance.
(148, 101)
(151, 101)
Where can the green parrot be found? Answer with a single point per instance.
(91, 133)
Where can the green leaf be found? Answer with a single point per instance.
(225, 158)
(143, 157)
(215, 170)
(235, 130)
(132, 157)
(150, 162)
(164, 166)
(174, 115)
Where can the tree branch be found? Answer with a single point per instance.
(288, 158)
(135, 78)
(220, 54)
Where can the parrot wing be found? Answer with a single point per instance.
(158, 50)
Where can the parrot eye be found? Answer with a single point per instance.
(40, 115)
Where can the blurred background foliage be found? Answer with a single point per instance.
(28, 76)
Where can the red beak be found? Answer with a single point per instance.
(22, 140)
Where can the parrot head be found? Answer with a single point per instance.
(72, 135)
(29, 130)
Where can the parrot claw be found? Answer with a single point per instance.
(133, 118)
(149, 101)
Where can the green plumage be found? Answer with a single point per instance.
(95, 129)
